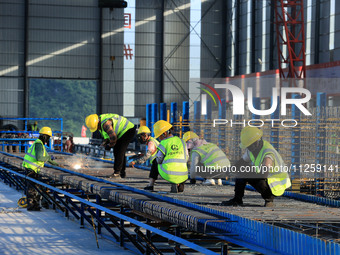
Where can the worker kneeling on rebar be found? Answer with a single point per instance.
(172, 156)
(144, 137)
(35, 159)
(269, 178)
(207, 160)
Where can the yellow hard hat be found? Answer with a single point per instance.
(46, 131)
(91, 122)
(189, 135)
(250, 135)
(22, 202)
(144, 129)
(160, 127)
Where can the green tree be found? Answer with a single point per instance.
(71, 100)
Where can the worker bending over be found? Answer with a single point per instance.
(205, 155)
(269, 179)
(35, 159)
(172, 156)
(118, 132)
(144, 137)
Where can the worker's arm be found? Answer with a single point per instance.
(39, 155)
(195, 159)
(151, 150)
(107, 127)
(160, 157)
(268, 163)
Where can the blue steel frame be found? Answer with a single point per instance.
(33, 132)
(252, 234)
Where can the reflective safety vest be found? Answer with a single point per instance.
(120, 124)
(30, 160)
(174, 166)
(278, 180)
(156, 143)
(212, 156)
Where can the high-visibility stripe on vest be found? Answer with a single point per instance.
(120, 124)
(156, 143)
(174, 166)
(30, 160)
(212, 156)
(278, 180)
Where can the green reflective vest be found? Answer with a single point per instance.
(278, 180)
(174, 166)
(212, 156)
(156, 143)
(120, 124)
(30, 160)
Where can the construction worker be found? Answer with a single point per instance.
(207, 155)
(35, 159)
(33, 127)
(172, 156)
(144, 137)
(69, 144)
(118, 132)
(270, 179)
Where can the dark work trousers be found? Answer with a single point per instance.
(154, 170)
(261, 185)
(119, 151)
(33, 197)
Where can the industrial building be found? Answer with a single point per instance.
(173, 60)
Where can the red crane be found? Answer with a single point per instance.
(289, 20)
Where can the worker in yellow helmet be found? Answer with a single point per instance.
(35, 159)
(172, 156)
(144, 137)
(270, 179)
(118, 132)
(203, 156)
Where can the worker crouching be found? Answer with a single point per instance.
(207, 155)
(35, 159)
(144, 137)
(172, 156)
(262, 155)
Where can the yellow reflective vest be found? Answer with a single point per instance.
(174, 166)
(278, 180)
(212, 156)
(120, 124)
(156, 143)
(30, 160)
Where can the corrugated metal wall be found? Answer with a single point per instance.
(11, 58)
(74, 39)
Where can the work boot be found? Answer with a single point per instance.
(123, 175)
(219, 182)
(269, 204)
(180, 187)
(150, 188)
(173, 188)
(232, 202)
(209, 182)
(115, 176)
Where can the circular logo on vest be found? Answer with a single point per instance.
(174, 147)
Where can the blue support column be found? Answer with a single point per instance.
(162, 115)
(208, 122)
(185, 115)
(296, 141)
(197, 117)
(257, 106)
(222, 114)
(321, 103)
(173, 114)
(154, 116)
(274, 134)
(148, 116)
